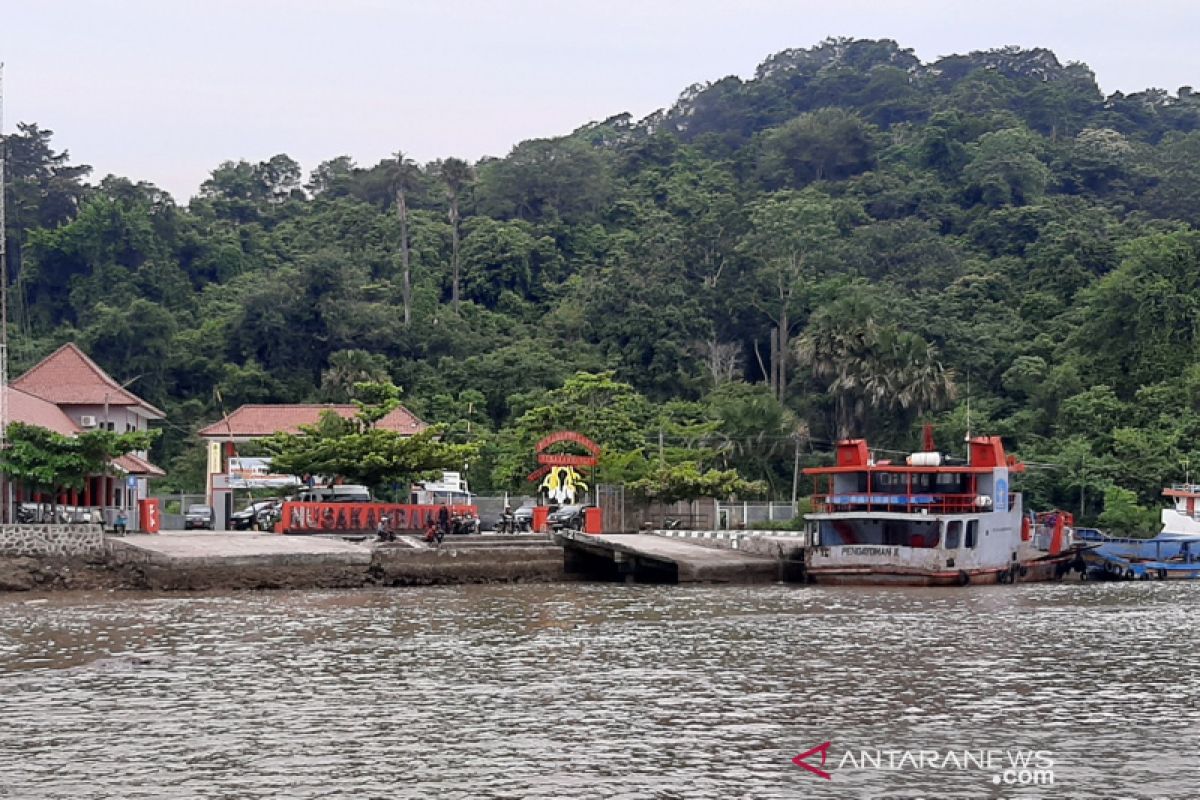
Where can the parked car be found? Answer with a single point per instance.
(199, 517)
(567, 517)
(247, 518)
(524, 519)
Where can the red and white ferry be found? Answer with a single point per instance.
(927, 522)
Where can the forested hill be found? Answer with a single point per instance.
(839, 244)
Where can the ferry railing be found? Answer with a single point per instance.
(896, 503)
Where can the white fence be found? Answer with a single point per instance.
(735, 516)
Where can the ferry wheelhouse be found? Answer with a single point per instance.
(1184, 518)
(927, 522)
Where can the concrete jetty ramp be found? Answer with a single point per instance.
(645, 557)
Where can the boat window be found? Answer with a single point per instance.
(890, 482)
(953, 534)
(972, 532)
(950, 483)
(892, 532)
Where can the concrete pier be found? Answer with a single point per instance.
(638, 557)
(226, 560)
(232, 560)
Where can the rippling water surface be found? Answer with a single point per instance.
(598, 691)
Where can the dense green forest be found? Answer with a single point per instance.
(850, 242)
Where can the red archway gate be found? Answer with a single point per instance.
(549, 461)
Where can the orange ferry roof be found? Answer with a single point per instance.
(853, 455)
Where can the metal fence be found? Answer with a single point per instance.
(625, 514)
(735, 516)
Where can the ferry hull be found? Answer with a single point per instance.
(1042, 570)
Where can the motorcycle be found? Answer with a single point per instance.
(267, 518)
(463, 525)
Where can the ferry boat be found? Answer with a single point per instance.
(928, 522)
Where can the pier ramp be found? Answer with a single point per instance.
(642, 557)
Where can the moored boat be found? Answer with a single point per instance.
(1173, 554)
(929, 522)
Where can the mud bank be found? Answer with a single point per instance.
(125, 567)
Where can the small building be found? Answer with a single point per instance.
(68, 393)
(257, 421)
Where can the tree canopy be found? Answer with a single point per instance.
(850, 241)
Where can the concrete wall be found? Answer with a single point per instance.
(64, 541)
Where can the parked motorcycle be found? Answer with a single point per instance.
(464, 525)
(268, 516)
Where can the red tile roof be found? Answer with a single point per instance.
(68, 377)
(252, 421)
(31, 410)
(133, 465)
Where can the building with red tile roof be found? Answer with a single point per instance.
(68, 393)
(256, 421)
(67, 377)
(31, 410)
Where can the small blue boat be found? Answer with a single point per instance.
(1168, 556)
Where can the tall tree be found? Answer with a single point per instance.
(457, 175)
(402, 182)
(788, 231)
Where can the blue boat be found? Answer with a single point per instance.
(1168, 556)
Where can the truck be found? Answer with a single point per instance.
(450, 490)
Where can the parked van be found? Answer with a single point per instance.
(344, 493)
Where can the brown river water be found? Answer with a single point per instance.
(603, 691)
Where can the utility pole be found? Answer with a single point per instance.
(1082, 486)
(795, 470)
(5, 485)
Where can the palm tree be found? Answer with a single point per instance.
(839, 348)
(873, 368)
(457, 175)
(348, 367)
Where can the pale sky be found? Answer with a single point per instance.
(165, 90)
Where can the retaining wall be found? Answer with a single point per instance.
(58, 541)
